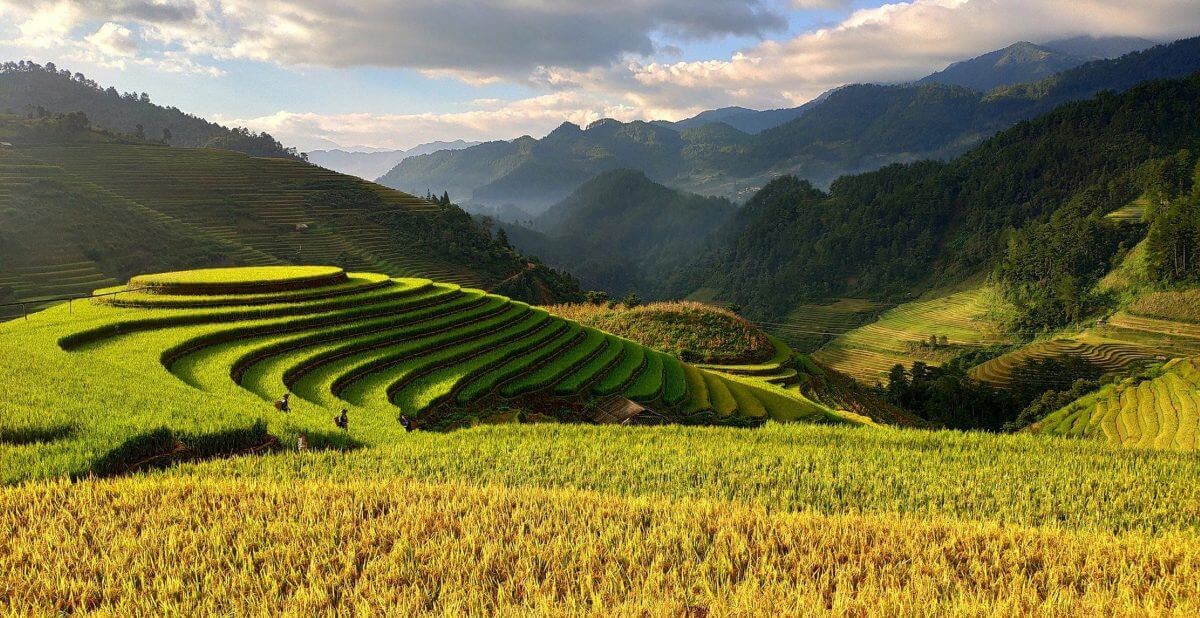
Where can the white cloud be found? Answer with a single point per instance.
(617, 58)
(485, 119)
(897, 42)
(481, 39)
(113, 39)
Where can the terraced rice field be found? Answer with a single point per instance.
(216, 510)
(259, 211)
(444, 355)
(1162, 413)
(1133, 212)
(867, 353)
(1107, 355)
(807, 327)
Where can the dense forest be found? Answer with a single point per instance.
(30, 89)
(1027, 201)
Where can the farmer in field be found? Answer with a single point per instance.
(282, 403)
(407, 422)
(342, 420)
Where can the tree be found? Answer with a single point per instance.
(166, 135)
(140, 132)
(596, 297)
(631, 300)
(502, 238)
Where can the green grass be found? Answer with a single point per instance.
(594, 367)
(593, 344)
(649, 384)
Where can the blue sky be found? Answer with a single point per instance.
(386, 73)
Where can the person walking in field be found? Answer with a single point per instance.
(282, 403)
(342, 420)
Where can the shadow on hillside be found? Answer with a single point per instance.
(21, 436)
(163, 448)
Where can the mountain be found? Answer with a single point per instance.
(370, 164)
(620, 230)
(1039, 187)
(1024, 62)
(1097, 48)
(1018, 63)
(82, 208)
(854, 129)
(534, 174)
(28, 89)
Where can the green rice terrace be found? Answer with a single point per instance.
(188, 364)
(1160, 411)
(931, 330)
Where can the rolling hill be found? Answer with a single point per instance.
(854, 129)
(27, 89)
(81, 209)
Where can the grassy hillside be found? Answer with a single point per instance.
(210, 349)
(931, 330)
(80, 209)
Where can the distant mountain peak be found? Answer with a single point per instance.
(1021, 62)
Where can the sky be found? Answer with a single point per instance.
(394, 74)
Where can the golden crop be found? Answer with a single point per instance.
(193, 546)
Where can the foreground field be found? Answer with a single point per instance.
(570, 520)
(215, 509)
(404, 548)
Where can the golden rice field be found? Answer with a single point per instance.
(1107, 355)
(146, 472)
(177, 546)
(1160, 413)
(868, 352)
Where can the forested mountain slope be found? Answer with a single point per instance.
(1018, 63)
(29, 89)
(930, 222)
(621, 231)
